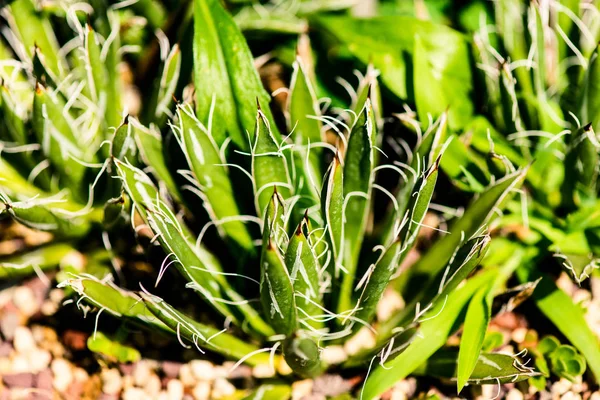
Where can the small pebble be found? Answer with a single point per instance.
(20, 363)
(301, 389)
(63, 375)
(364, 339)
(80, 374)
(201, 391)
(5, 366)
(390, 303)
(514, 394)
(141, 373)
(221, 388)
(112, 383)
(408, 386)
(39, 360)
(134, 393)
(334, 354)
(518, 335)
(128, 382)
(398, 394)
(561, 387)
(570, 396)
(186, 375)
(263, 371)
(153, 385)
(23, 342)
(202, 370)
(25, 301)
(175, 389)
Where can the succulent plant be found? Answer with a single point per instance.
(271, 224)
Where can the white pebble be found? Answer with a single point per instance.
(202, 370)
(134, 393)
(80, 374)
(390, 303)
(141, 373)
(127, 382)
(63, 375)
(201, 391)
(23, 342)
(570, 396)
(561, 387)
(514, 394)
(175, 389)
(112, 383)
(262, 371)
(163, 396)
(39, 360)
(24, 299)
(398, 394)
(153, 385)
(5, 366)
(519, 334)
(364, 339)
(221, 388)
(186, 376)
(302, 389)
(334, 355)
(19, 364)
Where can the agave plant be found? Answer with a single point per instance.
(310, 263)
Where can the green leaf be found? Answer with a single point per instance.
(211, 177)
(55, 130)
(464, 261)
(97, 76)
(429, 149)
(168, 83)
(276, 289)
(429, 94)
(195, 263)
(591, 97)
(332, 209)
(581, 175)
(35, 30)
(359, 162)
(269, 168)
(150, 146)
(47, 214)
(26, 264)
(268, 391)
(476, 216)
(378, 41)
(303, 109)
(224, 70)
(375, 280)
(303, 355)
(303, 267)
(105, 295)
(103, 344)
(476, 323)
(123, 142)
(201, 335)
(489, 369)
(434, 333)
